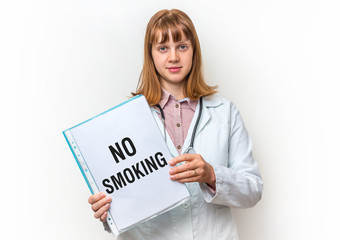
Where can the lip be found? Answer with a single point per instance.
(174, 69)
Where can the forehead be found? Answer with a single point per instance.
(174, 33)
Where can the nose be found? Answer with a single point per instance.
(173, 56)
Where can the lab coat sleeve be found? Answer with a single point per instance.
(239, 184)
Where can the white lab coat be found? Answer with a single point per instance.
(223, 141)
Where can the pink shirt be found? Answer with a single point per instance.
(178, 116)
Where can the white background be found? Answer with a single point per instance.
(64, 61)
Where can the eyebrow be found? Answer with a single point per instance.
(184, 41)
(179, 42)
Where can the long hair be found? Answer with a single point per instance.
(179, 24)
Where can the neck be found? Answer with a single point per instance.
(176, 90)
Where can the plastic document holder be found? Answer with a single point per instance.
(122, 153)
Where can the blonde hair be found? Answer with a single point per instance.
(179, 24)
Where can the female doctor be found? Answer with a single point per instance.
(204, 132)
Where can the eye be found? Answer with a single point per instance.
(162, 48)
(182, 47)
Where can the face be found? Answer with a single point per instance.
(173, 60)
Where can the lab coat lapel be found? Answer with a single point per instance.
(204, 119)
(208, 102)
(202, 122)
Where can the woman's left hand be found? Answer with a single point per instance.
(194, 169)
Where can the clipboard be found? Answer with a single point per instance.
(122, 153)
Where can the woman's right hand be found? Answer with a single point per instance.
(100, 204)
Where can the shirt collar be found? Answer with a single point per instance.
(166, 96)
(164, 99)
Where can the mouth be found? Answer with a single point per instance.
(174, 69)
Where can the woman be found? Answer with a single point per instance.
(220, 172)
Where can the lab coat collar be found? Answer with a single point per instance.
(212, 101)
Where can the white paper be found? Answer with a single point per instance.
(144, 197)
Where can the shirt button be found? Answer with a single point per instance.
(178, 147)
(176, 105)
(178, 125)
(185, 205)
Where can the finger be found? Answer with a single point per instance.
(184, 175)
(101, 211)
(188, 180)
(181, 158)
(96, 206)
(182, 168)
(103, 217)
(96, 197)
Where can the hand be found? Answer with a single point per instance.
(100, 205)
(195, 169)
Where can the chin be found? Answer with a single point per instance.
(176, 80)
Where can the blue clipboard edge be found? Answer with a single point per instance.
(77, 161)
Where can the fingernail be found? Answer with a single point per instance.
(107, 205)
(171, 161)
(108, 199)
(171, 171)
